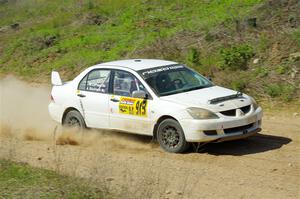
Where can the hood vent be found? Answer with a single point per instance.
(222, 99)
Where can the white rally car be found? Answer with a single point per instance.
(159, 98)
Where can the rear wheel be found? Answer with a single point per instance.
(171, 137)
(74, 119)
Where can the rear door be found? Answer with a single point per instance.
(93, 98)
(128, 113)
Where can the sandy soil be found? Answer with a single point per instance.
(131, 166)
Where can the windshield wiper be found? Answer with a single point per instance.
(195, 88)
(185, 90)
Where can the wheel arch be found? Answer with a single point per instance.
(160, 119)
(67, 111)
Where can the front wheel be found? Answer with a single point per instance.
(171, 137)
(74, 119)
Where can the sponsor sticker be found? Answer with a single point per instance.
(133, 106)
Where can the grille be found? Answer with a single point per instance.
(232, 112)
(238, 129)
(229, 112)
(246, 109)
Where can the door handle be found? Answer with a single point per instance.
(80, 95)
(114, 100)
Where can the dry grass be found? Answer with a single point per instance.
(32, 134)
(69, 136)
(67, 139)
(5, 130)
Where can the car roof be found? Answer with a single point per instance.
(137, 64)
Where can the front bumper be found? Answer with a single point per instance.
(225, 128)
(237, 137)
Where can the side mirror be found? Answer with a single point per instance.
(209, 78)
(140, 94)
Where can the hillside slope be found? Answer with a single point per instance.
(252, 46)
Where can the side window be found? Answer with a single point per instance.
(96, 81)
(82, 84)
(125, 83)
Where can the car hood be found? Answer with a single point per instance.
(201, 98)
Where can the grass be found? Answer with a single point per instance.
(18, 180)
(79, 42)
(71, 35)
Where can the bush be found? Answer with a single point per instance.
(284, 91)
(193, 57)
(281, 70)
(273, 90)
(261, 72)
(236, 57)
(296, 36)
(264, 43)
(239, 84)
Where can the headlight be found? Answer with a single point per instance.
(254, 103)
(200, 113)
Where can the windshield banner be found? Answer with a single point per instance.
(146, 73)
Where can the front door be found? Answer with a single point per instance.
(128, 113)
(93, 98)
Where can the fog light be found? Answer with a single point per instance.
(211, 132)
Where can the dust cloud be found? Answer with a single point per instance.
(24, 115)
(23, 108)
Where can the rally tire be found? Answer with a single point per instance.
(170, 136)
(74, 119)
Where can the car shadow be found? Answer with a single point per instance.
(255, 144)
(251, 145)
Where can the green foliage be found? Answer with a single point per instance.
(90, 5)
(281, 70)
(70, 35)
(283, 91)
(193, 57)
(296, 36)
(66, 38)
(239, 84)
(273, 90)
(21, 181)
(236, 57)
(261, 72)
(264, 43)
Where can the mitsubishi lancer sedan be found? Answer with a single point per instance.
(164, 99)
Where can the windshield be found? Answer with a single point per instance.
(172, 79)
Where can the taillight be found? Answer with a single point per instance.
(51, 97)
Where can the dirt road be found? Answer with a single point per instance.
(130, 166)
